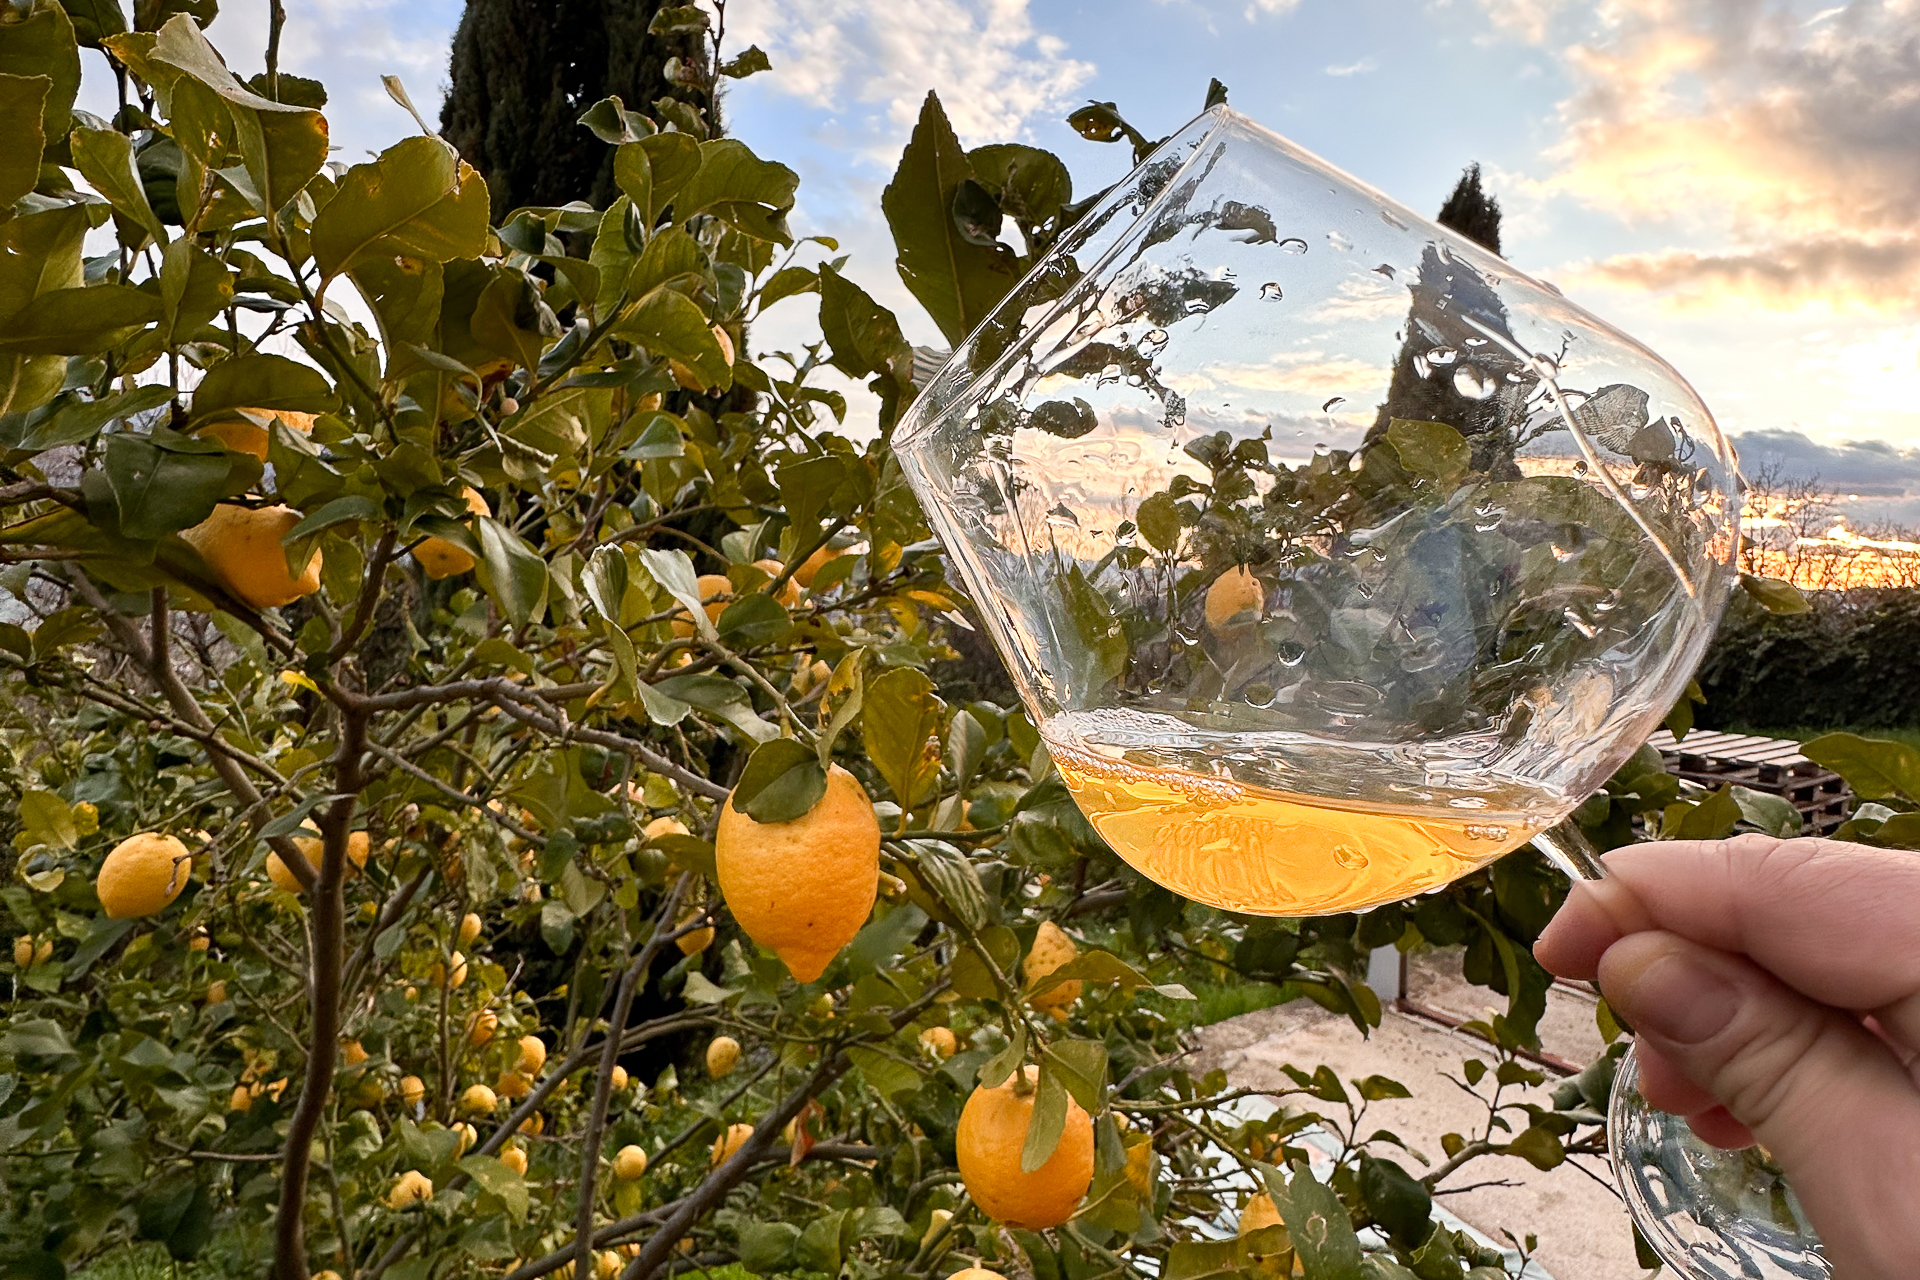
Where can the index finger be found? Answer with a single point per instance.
(1838, 922)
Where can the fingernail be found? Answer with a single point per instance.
(1678, 999)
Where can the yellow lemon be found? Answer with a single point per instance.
(664, 826)
(618, 1079)
(23, 951)
(936, 1223)
(242, 547)
(412, 1090)
(469, 930)
(630, 1163)
(244, 435)
(715, 592)
(478, 1100)
(410, 1188)
(326, 1275)
(142, 875)
(1233, 601)
(606, 1265)
(482, 1028)
(311, 849)
(789, 593)
(975, 1273)
(216, 992)
(723, 1054)
(511, 1084)
(515, 1159)
(729, 1142)
(940, 1041)
(694, 941)
(352, 1054)
(811, 566)
(241, 1100)
(803, 888)
(992, 1132)
(533, 1056)
(451, 974)
(440, 558)
(469, 1138)
(1051, 949)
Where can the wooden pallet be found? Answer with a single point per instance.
(1773, 765)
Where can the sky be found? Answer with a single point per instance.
(1734, 182)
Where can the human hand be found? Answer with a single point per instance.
(1774, 989)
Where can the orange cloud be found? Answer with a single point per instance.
(1837, 272)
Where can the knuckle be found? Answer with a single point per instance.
(1768, 1061)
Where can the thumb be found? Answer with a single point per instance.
(1829, 1100)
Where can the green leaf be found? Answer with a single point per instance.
(1774, 595)
(352, 507)
(1322, 1232)
(700, 989)
(783, 781)
(38, 40)
(1030, 184)
(500, 1182)
(1094, 966)
(71, 420)
(1082, 1068)
(673, 570)
(954, 878)
(1095, 644)
(972, 978)
(194, 288)
(105, 159)
(47, 820)
(863, 336)
(417, 199)
(633, 173)
(94, 20)
(957, 282)
(1711, 819)
(670, 324)
(885, 1075)
(512, 572)
(39, 252)
(1432, 450)
(1395, 1199)
(1773, 814)
(730, 174)
(1538, 1147)
(754, 620)
(79, 322)
(672, 258)
(23, 101)
(767, 1248)
(611, 122)
(1048, 1121)
(748, 61)
(179, 1214)
(672, 160)
(164, 482)
(900, 723)
(281, 145)
(262, 381)
(1876, 768)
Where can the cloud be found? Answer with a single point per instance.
(1874, 480)
(1273, 8)
(1783, 146)
(1361, 67)
(872, 62)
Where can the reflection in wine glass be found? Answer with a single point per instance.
(1333, 557)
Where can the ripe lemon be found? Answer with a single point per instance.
(452, 974)
(484, 1024)
(440, 558)
(630, 1163)
(352, 1054)
(618, 1078)
(478, 1100)
(789, 590)
(533, 1056)
(244, 435)
(142, 875)
(412, 1090)
(241, 1100)
(469, 1138)
(940, 1041)
(811, 566)
(803, 888)
(23, 951)
(326, 1275)
(199, 941)
(729, 1142)
(515, 1159)
(410, 1188)
(715, 593)
(664, 826)
(311, 849)
(694, 941)
(976, 1273)
(511, 1084)
(216, 992)
(469, 930)
(993, 1129)
(606, 1265)
(723, 1054)
(242, 547)
(1233, 601)
(1051, 949)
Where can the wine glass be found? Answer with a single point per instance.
(1335, 558)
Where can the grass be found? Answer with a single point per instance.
(136, 1262)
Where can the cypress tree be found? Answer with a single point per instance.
(1472, 212)
(522, 72)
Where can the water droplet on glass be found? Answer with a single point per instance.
(1198, 306)
(1333, 404)
(1442, 355)
(1516, 377)
(1475, 342)
(1578, 623)
(1472, 384)
(1348, 857)
(1421, 368)
(1293, 244)
(1260, 694)
(1392, 221)
(1091, 326)
(1338, 241)
(1152, 341)
(1270, 291)
(1290, 653)
(1061, 515)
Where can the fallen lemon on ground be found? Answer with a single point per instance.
(242, 547)
(358, 846)
(992, 1132)
(142, 875)
(803, 888)
(441, 558)
(1051, 949)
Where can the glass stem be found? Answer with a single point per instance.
(1568, 849)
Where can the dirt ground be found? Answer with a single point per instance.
(1580, 1221)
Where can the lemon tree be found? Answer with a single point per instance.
(488, 789)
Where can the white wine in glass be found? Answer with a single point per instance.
(1335, 558)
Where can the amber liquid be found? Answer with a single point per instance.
(1270, 853)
